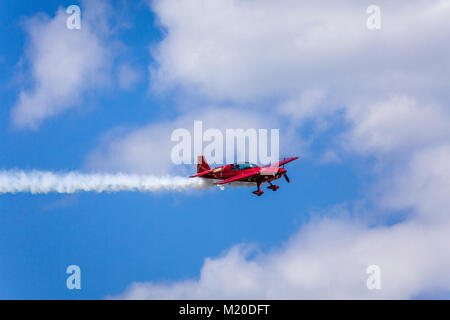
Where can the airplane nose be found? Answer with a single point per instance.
(282, 170)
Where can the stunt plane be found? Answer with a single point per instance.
(244, 172)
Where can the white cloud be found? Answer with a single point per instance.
(143, 150)
(397, 124)
(308, 104)
(63, 65)
(246, 50)
(422, 183)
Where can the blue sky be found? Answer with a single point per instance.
(368, 187)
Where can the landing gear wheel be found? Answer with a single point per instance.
(273, 187)
(258, 192)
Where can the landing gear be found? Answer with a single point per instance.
(258, 192)
(273, 187)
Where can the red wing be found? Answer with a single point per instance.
(282, 162)
(237, 177)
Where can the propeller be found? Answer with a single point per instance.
(286, 177)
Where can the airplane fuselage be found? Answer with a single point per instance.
(229, 170)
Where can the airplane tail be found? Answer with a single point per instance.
(202, 165)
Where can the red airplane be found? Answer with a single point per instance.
(246, 172)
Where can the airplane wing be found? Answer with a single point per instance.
(237, 177)
(282, 162)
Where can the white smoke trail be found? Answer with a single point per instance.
(71, 182)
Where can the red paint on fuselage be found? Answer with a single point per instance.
(225, 172)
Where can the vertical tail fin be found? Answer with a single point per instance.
(202, 165)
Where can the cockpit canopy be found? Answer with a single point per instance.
(242, 166)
